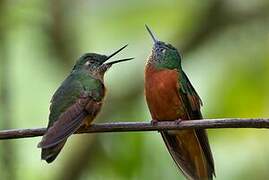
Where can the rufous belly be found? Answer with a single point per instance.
(162, 94)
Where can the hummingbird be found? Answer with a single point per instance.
(170, 96)
(76, 102)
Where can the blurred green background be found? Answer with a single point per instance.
(225, 47)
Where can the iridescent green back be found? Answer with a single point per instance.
(70, 90)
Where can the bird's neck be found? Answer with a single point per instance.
(98, 75)
(154, 66)
(154, 63)
(94, 75)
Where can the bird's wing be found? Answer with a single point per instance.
(68, 122)
(68, 110)
(193, 102)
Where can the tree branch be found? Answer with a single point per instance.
(147, 126)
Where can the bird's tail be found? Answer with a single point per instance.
(56, 135)
(50, 154)
(186, 149)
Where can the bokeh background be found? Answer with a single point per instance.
(225, 47)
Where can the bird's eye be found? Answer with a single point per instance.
(87, 63)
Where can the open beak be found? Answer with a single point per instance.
(106, 66)
(117, 61)
(113, 54)
(151, 34)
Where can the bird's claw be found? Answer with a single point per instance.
(178, 121)
(154, 122)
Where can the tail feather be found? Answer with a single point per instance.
(203, 139)
(50, 154)
(188, 154)
(61, 130)
(56, 136)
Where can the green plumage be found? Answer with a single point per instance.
(168, 57)
(77, 83)
(76, 102)
(171, 96)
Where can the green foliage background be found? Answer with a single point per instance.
(225, 53)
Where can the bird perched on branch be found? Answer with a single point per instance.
(170, 96)
(76, 102)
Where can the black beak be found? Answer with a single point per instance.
(117, 61)
(151, 34)
(105, 66)
(113, 54)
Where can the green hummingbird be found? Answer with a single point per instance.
(76, 102)
(171, 96)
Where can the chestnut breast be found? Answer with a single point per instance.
(162, 94)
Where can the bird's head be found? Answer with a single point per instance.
(95, 64)
(164, 55)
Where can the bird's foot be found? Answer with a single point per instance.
(85, 125)
(178, 121)
(154, 122)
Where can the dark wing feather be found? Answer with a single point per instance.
(67, 124)
(203, 139)
(50, 154)
(193, 98)
(195, 102)
(70, 107)
(179, 154)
